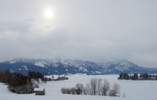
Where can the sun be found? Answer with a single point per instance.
(48, 13)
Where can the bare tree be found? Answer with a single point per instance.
(99, 86)
(87, 90)
(115, 91)
(105, 88)
(93, 84)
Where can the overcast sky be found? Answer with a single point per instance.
(80, 29)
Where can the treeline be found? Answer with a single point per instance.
(19, 83)
(94, 87)
(137, 76)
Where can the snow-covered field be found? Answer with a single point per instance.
(130, 90)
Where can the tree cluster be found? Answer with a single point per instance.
(137, 76)
(94, 87)
(19, 83)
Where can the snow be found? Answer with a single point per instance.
(49, 76)
(12, 61)
(39, 89)
(130, 90)
(25, 67)
(41, 64)
(81, 68)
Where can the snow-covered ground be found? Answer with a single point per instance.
(130, 90)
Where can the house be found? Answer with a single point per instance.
(39, 91)
(55, 78)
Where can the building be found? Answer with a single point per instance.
(39, 91)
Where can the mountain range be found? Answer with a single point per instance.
(69, 66)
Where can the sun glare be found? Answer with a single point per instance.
(48, 13)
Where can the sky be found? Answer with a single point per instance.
(80, 29)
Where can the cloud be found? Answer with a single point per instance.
(81, 29)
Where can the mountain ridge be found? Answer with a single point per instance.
(68, 66)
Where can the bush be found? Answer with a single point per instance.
(80, 88)
(65, 91)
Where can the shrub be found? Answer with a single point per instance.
(80, 88)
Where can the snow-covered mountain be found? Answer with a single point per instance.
(69, 66)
